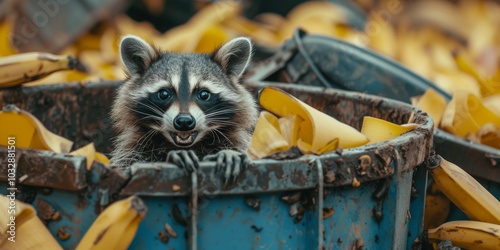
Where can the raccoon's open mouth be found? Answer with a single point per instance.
(184, 138)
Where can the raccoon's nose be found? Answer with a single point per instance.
(184, 122)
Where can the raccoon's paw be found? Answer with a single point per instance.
(185, 159)
(230, 163)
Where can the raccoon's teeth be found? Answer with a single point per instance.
(184, 135)
(184, 138)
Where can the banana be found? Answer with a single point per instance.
(465, 192)
(466, 234)
(26, 67)
(116, 226)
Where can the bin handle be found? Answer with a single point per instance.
(297, 36)
(319, 167)
(193, 227)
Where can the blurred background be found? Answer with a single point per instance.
(454, 44)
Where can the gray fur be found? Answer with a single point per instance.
(138, 141)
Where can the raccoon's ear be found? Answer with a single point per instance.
(234, 56)
(136, 54)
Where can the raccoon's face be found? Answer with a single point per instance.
(185, 97)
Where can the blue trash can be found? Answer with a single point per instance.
(305, 203)
(328, 62)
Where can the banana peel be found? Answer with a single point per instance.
(6, 48)
(317, 129)
(267, 138)
(453, 81)
(30, 231)
(466, 114)
(116, 226)
(378, 130)
(91, 155)
(489, 134)
(492, 102)
(432, 103)
(211, 38)
(30, 132)
(489, 85)
(437, 209)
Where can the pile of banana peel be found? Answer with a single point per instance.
(288, 122)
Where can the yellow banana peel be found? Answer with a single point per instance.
(6, 48)
(466, 193)
(492, 102)
(489, 134)
(466, 235)
(437, 209)
(211, 38)
(116, 226)
(490, 85)
(30, 132)
(466, 114)
(28, 229)
(315, 16)
(432, 103)
(378, 130)
(267, 138)
(289, 127)
(91, 155)
(454, 81)
(317, 129)
(384, 41)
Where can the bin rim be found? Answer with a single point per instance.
(400, 154)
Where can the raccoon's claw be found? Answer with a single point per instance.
(185, 159)
(230, 163)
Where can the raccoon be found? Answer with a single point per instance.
(179, 107)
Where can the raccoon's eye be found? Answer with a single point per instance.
(164, 94)
(204, 95)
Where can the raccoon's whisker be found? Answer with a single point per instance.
(216, 106)
(221, 111)
(223, 135)
(145, 138)
(140, 112)
(222, 122)
(221, 115)
(154, 104)
(155, 110)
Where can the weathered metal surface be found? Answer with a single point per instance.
(46, 169)
(159, 179)
(477, 160)
(224, 219)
